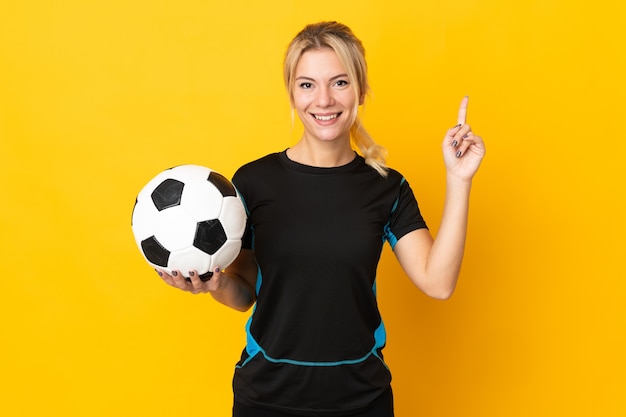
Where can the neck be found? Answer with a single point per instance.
(323, 155)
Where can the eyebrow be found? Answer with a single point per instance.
(303, 77)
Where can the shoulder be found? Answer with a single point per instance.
(259, 167)
(394, 175)
(255, 176)
(393, 178)
(264, 161)
(396, 178)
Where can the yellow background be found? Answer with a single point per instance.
(96, 97)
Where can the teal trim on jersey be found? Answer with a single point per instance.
(259, 281)
(389, 237)
(253, 348)
(380, 336)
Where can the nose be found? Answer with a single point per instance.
(324, 97)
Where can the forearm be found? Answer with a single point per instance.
(446, 255)
(234, 292)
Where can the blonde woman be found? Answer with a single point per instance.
(319, 214)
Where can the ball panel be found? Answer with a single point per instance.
(222, 184)
(167, 194)
(144, 219)
(210, 236)
(190, 258)
(202, 200)
(145, 192)
(155, 252)
(175, 228)
(233, 217)
(227, 254)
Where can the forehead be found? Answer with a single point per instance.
(319, 62)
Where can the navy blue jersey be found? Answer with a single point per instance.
(315, 335)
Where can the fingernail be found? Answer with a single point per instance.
(459, 125)
(217, 269)
(454, 143)
(191, 273)
(458, 154)
(466, 136)
(159, 272)
(175, 273)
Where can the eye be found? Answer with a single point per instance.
(341, 83)
(305, 85)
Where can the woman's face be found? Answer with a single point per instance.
(323, 96)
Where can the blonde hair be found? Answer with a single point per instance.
(351, 54)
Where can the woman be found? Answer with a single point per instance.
(319, 214)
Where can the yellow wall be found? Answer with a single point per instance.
(97, 97)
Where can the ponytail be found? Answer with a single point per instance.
(375, 155)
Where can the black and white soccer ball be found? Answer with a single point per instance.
(189, 218)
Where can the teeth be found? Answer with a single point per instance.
(325, 118)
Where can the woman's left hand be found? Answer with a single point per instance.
(462, 149)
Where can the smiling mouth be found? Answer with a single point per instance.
(325, 118)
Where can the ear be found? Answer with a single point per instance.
(361, 99)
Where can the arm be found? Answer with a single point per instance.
(241, 293)
(434, 265)
(233, 287)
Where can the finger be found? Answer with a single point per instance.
(460, 135)
(474, 144)
(466, 141)
(478, 142)
(179, 280)
(213, 278)
(462, 117)
(196, 282)
(210, 275)
(451, 133)
(165, 276)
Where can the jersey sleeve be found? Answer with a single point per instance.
(405, 215)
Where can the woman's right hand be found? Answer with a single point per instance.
(233, 287)
(195, 285)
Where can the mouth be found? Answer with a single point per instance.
(325, 117)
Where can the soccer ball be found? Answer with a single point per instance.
(189, 217)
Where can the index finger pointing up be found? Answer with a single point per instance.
(463, 111)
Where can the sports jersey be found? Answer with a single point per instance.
(315, 335)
